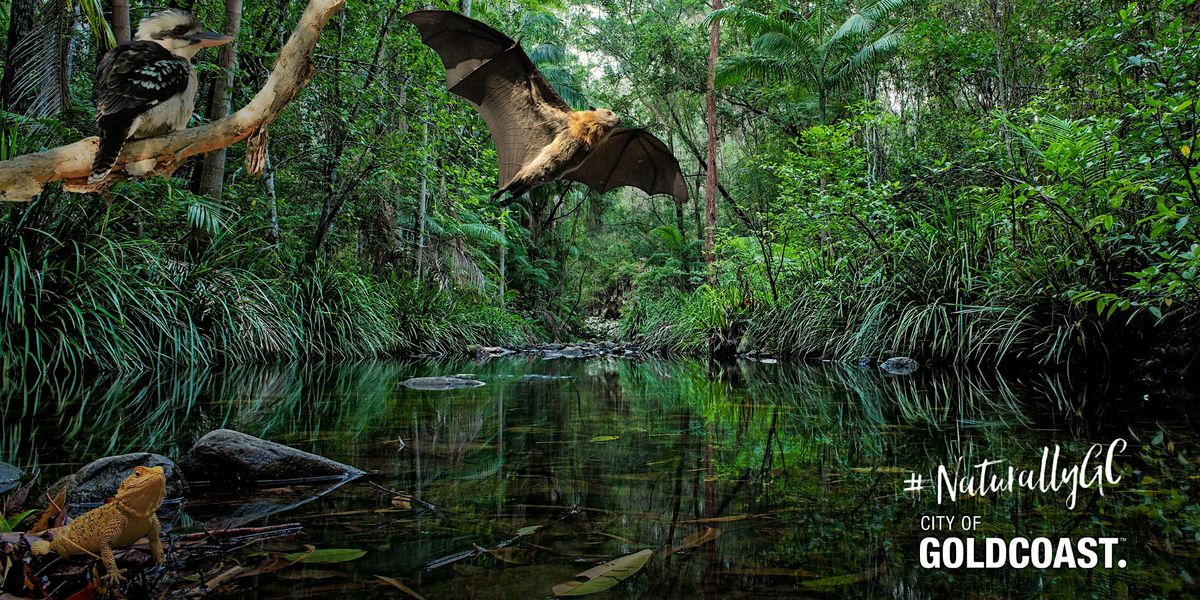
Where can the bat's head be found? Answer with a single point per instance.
(178, 31)
(590, 126)
(607, 118)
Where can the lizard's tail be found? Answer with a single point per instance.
(40, 547)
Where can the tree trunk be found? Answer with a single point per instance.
(710, 99)
(272, 200)
(19, 24)
(120, 21)
(503, 259)
(422, 204)
(213, 182)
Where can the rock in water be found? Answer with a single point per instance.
(10, 476)
(440, 383)
(97, 481)
(229, 456)
(899, 365)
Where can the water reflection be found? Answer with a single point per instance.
(794, 473)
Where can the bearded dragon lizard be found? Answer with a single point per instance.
(122, 522)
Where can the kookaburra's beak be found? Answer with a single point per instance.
(207, 39)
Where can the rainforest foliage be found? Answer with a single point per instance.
(967, 182)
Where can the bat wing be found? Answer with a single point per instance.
(632, 157)
(495, 75)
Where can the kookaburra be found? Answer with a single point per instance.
(147, 86)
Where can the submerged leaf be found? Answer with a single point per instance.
(697, 539)
(326, 556)
(604, 576)
(606, 438)
(400, 586)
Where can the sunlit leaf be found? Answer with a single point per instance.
(604, 576)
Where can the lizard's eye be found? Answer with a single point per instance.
(137, 473)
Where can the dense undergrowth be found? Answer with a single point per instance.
(1059, 231)
(83, 292)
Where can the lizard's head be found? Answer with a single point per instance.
(145, 488)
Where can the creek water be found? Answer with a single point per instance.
(746, 480)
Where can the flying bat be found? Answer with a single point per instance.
(538, 137)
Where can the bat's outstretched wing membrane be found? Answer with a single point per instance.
(632, 157)
(494, 74)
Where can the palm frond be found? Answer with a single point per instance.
(867, 58)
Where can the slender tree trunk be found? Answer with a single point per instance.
(120, 21)
(710, 99)
(19, 25)
(503, 259)
(272, 200)
(422, 204)
(213, 182)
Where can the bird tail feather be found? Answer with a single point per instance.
(111, 142)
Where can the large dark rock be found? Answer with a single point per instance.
(440, 383)
(10, 476)
(230, 456)
(899, 365)
(97, 481)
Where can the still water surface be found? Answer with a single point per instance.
(747, 480)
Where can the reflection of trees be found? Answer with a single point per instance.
(793, 447)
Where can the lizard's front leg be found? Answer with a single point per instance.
(112, 575)
(108, 535)
(155, 537)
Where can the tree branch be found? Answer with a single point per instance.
(24, 177)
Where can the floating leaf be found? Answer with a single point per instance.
(532, 529)
(326, 556)
(400, 586)
(606, 438)
(402, 501)
(604, 576)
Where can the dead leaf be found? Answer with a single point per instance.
(400, 586)
(709, 534)
(510, 555)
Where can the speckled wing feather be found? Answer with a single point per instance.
(136, 76)
(632, 157)
(494, 74)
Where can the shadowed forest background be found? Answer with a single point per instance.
(965, 182)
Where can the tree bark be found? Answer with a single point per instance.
(710, 100)
(213, 182)
(19, 25)
(23, 177)
(120, 21)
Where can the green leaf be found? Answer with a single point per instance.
(604, 576)
(605, 438)
(326, 556)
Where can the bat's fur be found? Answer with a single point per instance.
(576, 134)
